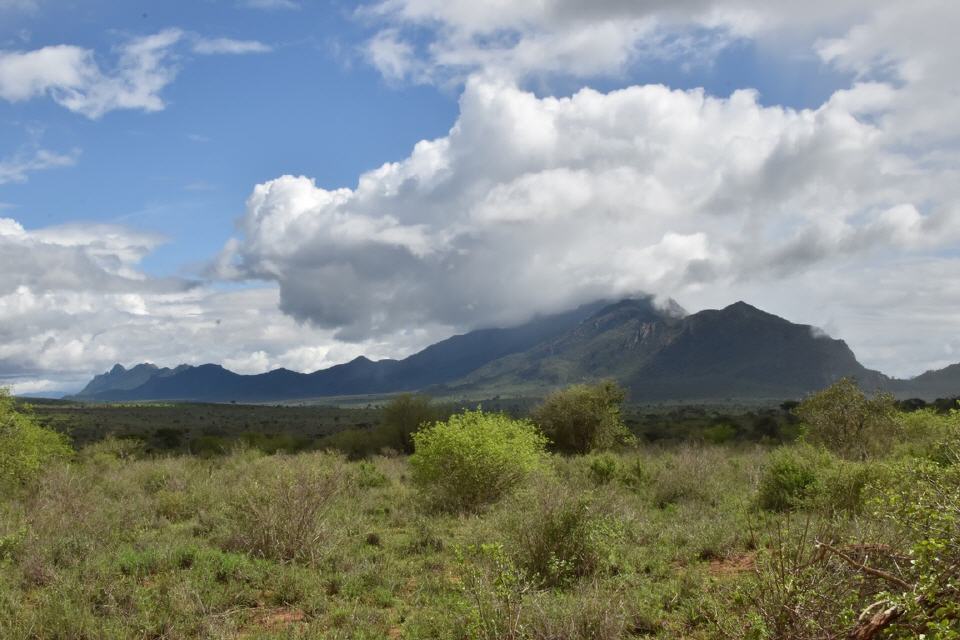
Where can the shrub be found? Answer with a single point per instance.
(474, 458)
(557, 537)
(842, 486)
(848, 423)
(25, 446)
(582, 418)
(402, 416)
(603, 468)
(788, 481)
(278, 510)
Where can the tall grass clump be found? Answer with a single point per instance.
(474, 458)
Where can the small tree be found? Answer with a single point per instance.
(474, 458)
(25, 446)
(403, 415)
(847, 422)
(583, 418)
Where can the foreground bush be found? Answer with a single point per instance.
(474, 458)
(25, 447)
(556, 536)
(789, 480)
(279, 511)
(583, 418)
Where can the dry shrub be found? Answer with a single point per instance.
(279, 510)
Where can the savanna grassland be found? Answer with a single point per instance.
(563, 525)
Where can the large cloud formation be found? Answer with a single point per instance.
(533, 204)
(843, 216)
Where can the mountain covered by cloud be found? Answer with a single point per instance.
(565, 177)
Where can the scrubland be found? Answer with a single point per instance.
(489, 531)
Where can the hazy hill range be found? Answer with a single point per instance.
(657, 353)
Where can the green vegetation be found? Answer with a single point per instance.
(474, 458)
(695, 539)
(403, 416)
(25, 446)
(582, 418)
(844, 420)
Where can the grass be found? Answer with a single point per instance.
(311, 545)
(655, 540)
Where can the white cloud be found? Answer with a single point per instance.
(73, 78)
(20, 165)
(73, 302)
(575, 38)
(229, 46)
(271, 5)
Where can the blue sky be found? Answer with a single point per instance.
(309, 106)
(705, 151)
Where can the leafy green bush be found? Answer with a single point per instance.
(474, 458)
(25, 446)
(583, 418)
(789, 479)
(848, 423)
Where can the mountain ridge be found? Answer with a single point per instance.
(658, 352)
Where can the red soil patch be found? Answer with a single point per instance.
(731, 565)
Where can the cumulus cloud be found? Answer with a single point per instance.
(74, 79)
(534, 204)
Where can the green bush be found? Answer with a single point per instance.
(474, 458)
(788, 481)
(603, 468)
(843, 486)
(848, 423)
(25, 446)
(583, 418)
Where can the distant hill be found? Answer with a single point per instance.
(444, 361)
(658, 352)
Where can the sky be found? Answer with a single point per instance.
(285, 183)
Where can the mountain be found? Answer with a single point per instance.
(941, 383)
(123, 379)
(736, 352)
(658, 352)
(447, 360)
